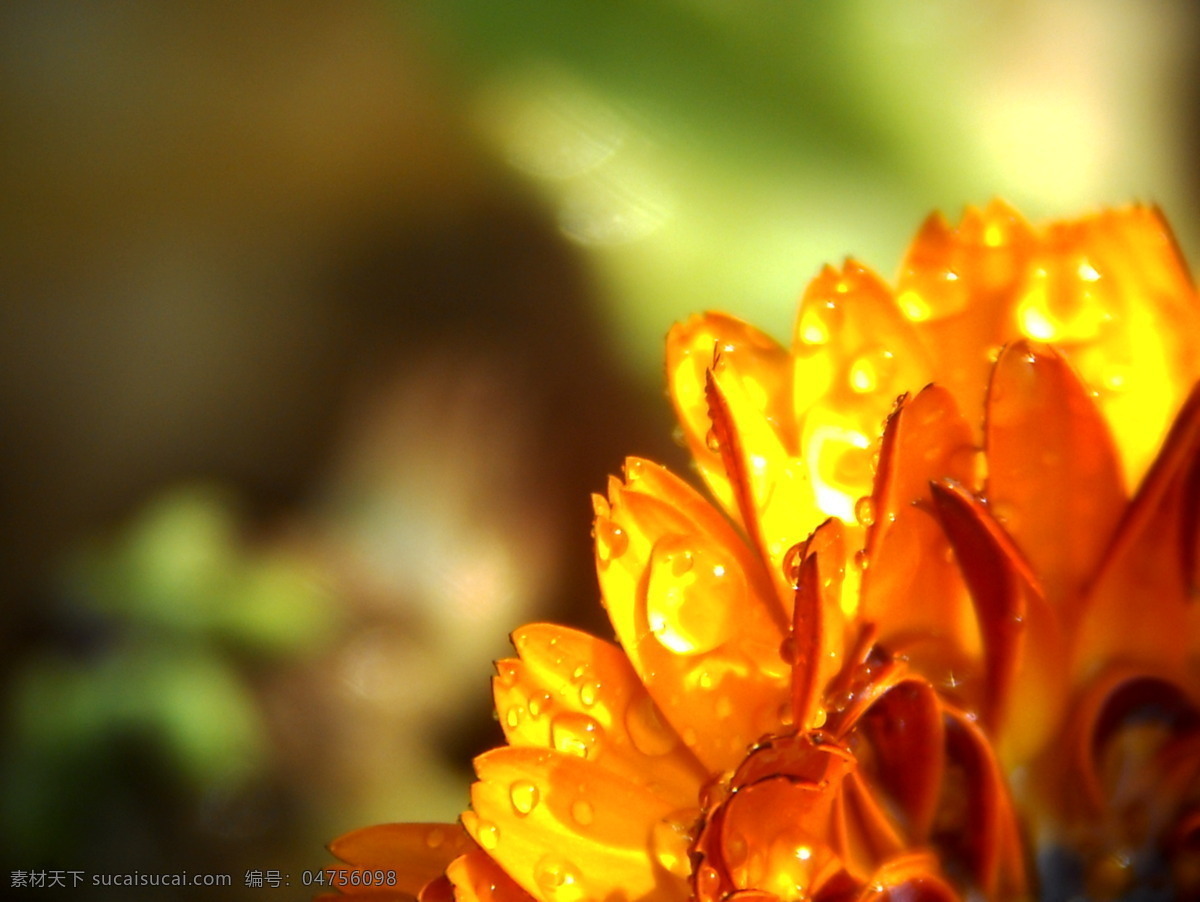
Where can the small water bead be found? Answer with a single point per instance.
(524, 796)
(488, 834)
(611, 540)
(871, 370)
(785, 715)
(792, 559)
(1115, 379)
(539, 703)
(712, 442)
(435, 837)
(513, 716)
(864, 511)
(692, 596)
(813, 328)
(588, 693)
(647, 731)
(582, 812)
(576, 734)
(708, 882)
(862, 560)
(558, 880)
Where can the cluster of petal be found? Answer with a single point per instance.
(940, 616)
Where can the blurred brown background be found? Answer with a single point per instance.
(319, 321)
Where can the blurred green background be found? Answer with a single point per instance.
(319, 322)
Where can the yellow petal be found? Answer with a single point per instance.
(567, 830)
(750, 360)
(1125, 313)
(1152, 558)
(855, 353)
(958, 285)
(695, 612)
(579, 695)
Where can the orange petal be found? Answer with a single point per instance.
(417, 853)
(854, 355)
(1054, 479)
(906, 733)
(579, 695)
(1152, 558)
(476, 877)
(1124, 311)
(818, 637)
(567, 829)
(912, 590)
(807, 640)
(1000, 584)
(755, 368)
(770, 485)
(696, 614)
(958, 284)
(982, 827)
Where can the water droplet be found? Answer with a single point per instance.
(582, 812)
(588, 693)
(785, 714)
(708, 882)
(435, 837)
(787, 650)
(611, 541)
(864, 510)
(647, 731)
(871, 370)
(576, 734)
(693, 595)
(701, 678)
(679, 437)
(513, 716)
(558, 880)
(524, 796)
(913, 306)
(1115, 379)
(711, 442)
(488, 834)
(818, 322)
(862, 560)
(539, 703)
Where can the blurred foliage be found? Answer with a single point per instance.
(171, 619)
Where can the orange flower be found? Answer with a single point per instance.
(938, 644)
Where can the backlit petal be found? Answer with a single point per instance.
(1054, 480)
(566, 829)
(579, 695)
(695, 612)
